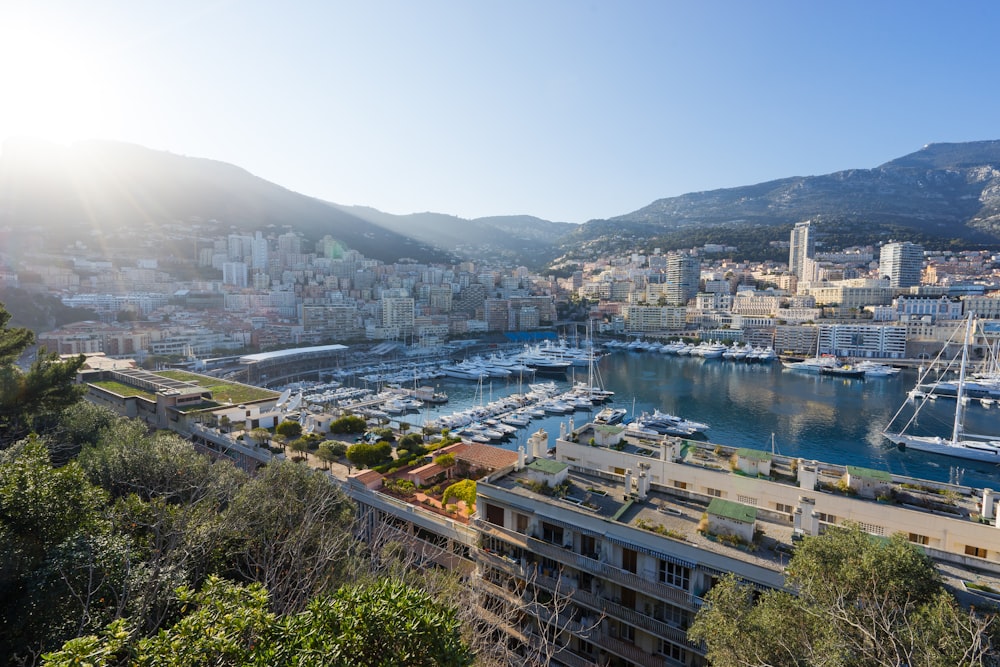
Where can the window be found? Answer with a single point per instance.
(675, 575)
(714, 492)
(521, 523)
(630, 560)
(588, 545)
(826, 518)
(673, 651)
(494, 514)
(781, 507)
(680, 485)
(978, 552)
(628, 598)
(918, 539)
(552, 534)
(746, 500)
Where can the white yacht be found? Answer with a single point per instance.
(958, 443)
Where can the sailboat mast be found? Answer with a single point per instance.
(956, 431)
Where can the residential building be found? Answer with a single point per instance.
(901, 263)
(602, 552)
(801, 247)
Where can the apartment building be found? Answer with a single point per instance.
(601, 552)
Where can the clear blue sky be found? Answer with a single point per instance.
(567, 110)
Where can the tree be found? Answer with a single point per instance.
(363, 455)
(61, 563)
(349, 424)
(32, 400)
(384, 624)
(289, 429)
(290, 529)
(300, 446)
(261, 436)
(463, 490)
(446, 461)
(862, 601)
(325, 453)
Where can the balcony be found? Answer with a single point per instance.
(615, 574)
(605, 570)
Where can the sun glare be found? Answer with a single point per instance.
(51, 88)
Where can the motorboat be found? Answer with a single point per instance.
(876, 370)
(844, 371)
(610, 415)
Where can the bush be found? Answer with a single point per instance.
(464, 490)
(349, 424)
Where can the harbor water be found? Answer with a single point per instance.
(833, 419)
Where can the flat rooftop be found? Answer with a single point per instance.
(670, 516)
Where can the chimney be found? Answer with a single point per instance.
(628, 481)
(520, 458)
(643, 485)
(987, 510)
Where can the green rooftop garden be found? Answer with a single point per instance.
(222, 391)
(123, 389)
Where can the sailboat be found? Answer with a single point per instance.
(959, 444)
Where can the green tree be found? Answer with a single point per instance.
(61, 564)
(861, 602)
(385, 624)
(32, 400)
(289, 429)
(462, 490)
(446, 461)
(299, 446)
(326, 453)
(363, 455)
(261, 436)
(349, 424)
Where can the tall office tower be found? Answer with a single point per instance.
(901, 263)
(683, 274)
(801, 247)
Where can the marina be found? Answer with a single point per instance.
(761, 405)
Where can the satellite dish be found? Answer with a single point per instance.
(285, 395)
(295, 403)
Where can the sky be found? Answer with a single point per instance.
(566, 110)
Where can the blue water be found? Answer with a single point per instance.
(830, 419)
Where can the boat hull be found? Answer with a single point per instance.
(965, 449)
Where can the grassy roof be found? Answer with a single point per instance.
(727, 509)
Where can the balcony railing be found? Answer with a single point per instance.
(612, 573)
(568, 557)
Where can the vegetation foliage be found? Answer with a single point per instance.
(861, 602)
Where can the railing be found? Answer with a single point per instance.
(606, 570)
(619, 576)
(628, 651)
(630, 616)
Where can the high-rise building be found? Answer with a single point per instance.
(801, 246)
(234, 273)
(901, 263)
(683, 273)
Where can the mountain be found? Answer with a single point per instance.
(97, 191)
(109, 194)
(939, 194)
(518, 239)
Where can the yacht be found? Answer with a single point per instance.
(610, 415)
(958, 443)
(813, 364)
(875, 369)
(464, 370)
